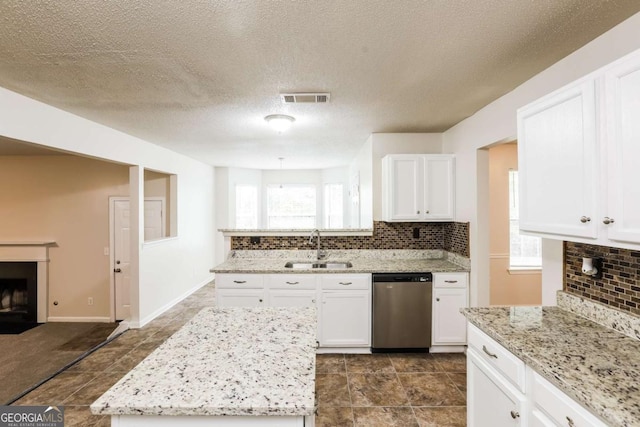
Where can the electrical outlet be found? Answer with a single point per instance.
(416, 233)
(90, 301)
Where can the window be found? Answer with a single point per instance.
(524, 251)
(247, 207)
(291, 206)
(333, 206)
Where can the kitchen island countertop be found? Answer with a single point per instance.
(597, 366)
(225, 362)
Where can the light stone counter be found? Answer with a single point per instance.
(248, 362)
(364, 261)
(596, 366)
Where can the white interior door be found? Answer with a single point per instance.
(154, 219)
(121, 256)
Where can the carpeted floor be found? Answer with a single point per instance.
(34, 355)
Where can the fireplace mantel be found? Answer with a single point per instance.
(31, 251)
(27, 242)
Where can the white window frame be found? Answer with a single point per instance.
(326, 205)
(257, 206)
(284, 186)
(516, 266)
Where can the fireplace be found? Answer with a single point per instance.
(18, 291)
(17, 260)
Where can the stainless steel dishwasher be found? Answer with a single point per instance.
(401, 312)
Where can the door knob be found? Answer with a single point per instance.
(608, 220)
(437, 299)
(118, 262)
(117, 270)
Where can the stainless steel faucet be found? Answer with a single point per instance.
(320, 255)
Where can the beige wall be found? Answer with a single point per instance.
(506, 288)
(66, 199)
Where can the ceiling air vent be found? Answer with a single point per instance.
(305, 98)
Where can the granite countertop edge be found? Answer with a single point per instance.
(268, 265)
(612, 416)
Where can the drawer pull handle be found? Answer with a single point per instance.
(570, 421)
(345, 283)
(585, 219)
(438, 299)
(515, 414)
(260, 300)
(292, 283)
(450, 281)
(239, 281)
(484, 348)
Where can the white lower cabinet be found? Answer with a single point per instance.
(240, 297)
(556, 407)
(343, 301)
(345, 319)
(450, 294)
(493, 400)
(503, 391)
(284, 298)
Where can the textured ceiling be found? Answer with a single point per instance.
(199, 76)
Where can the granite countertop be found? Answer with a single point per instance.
(364, 261)
(597, 366)
(225, 361)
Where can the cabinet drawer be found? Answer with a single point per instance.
(559, 407)
(239, 281)
(346, 281)
(291, 281)
(497, 356)
(450, 280)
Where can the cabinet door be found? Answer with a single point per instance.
(622, 94)
(403, 196)
(345, 319)
(439, 188)
(558, 163)
(283, 298)
(449, 325)
(240, 298)
(491, 400)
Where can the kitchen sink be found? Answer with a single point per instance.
(318, 264)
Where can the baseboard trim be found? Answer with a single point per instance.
(167, 306)
(97, 319)
(341, 350)
(447, 349)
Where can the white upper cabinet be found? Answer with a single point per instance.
(557, 156)
(418, 187)
(622, 108)
(578, 152)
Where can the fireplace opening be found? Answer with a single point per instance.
(18, 292)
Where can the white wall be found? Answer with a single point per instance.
(497, 122)
(169, 269)
(397, 143)
(362, 168)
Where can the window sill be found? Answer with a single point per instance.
(524, 270)
(323, 232)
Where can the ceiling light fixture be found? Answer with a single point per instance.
(280, 122)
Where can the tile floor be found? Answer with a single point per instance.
(352, 390)
(391, 390)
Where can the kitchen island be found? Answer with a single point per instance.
(225, 367)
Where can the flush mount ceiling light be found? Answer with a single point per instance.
(280, 122)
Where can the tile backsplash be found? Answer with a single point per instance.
(618, 287)
(450, 236)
